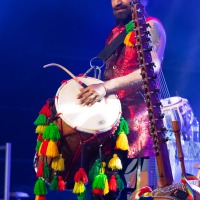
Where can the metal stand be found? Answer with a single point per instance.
(7, 149)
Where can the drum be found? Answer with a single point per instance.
(177, 108)
(99, 118)
(83, 129)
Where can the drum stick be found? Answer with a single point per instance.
(67, 71)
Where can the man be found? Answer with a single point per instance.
(122, 77)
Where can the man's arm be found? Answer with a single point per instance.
(95, 92)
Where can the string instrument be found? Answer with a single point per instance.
(168, 190)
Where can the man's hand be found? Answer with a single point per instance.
(90, 95)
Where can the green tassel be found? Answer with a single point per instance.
(51, 132)
(129, 27)
(39, 142)
(46, 170)
(123, 127)
(120, 183)
(82, 196)
(40, 187)
(99, 182)
(54, 183)
(94, 170)
(41, 120)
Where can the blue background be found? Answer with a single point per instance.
(34, 33)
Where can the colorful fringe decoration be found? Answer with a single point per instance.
(52, 149)
(51, 132)
(54, 183)
(43, 148)
(40, 187)
(100, 185)
(120, 183)
(145, 191)
(61, 184)
(79, 188)
(122, 131)
(46, 171)
(115, 163)
(81, 176)
(95, 170)
(40, 169)
(40, 129)
(46, 110)
(184, 180)
(58, 163)
(40, 197)
(41, 120)
(130, 39)
(113, 184)
(129, 27)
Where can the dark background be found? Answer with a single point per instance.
(71, 33)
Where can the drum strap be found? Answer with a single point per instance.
(110, 48)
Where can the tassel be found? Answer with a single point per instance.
(40, 187)
(51, 132)
(40, 170)
(99, 183)
(39, 142)
(61, 184)
(52, 149)
(122, 142)
(40, 129)
(78, 188)
(46, 110)
(58, 163)
(122, 131)
(40, 120)
(115, 163)
(120, 183)
(102, 169)
(40, 197)
(128, 40)
(82, 196)
(113, 184)
(94, 170)
(46, 170)
(43, 147)
(106, 189)
(40, 137)
(129, 26)
(54, 183)
(80, 175)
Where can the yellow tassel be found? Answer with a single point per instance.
(127, 40)
(36, 197)
(106, 189)
(78, 187)
(115, 163)
(58, 163)
(122, 142)
(52, 149)
(40, 129)
(102, 169)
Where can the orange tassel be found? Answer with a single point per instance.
(52, 149)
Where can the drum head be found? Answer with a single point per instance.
(99, 118)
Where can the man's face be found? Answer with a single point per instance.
(121, 9)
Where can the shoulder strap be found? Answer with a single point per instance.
(109, 49)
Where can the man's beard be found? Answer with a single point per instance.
(122, 17)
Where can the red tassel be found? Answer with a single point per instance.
(81, 176)
(40, 197)
(40, 170)
(98, 191)
(46, 110)
(113, 183)
(40, 137)
(61, 184)
(43, 148)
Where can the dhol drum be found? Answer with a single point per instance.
(83, 129)
(177, 108)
